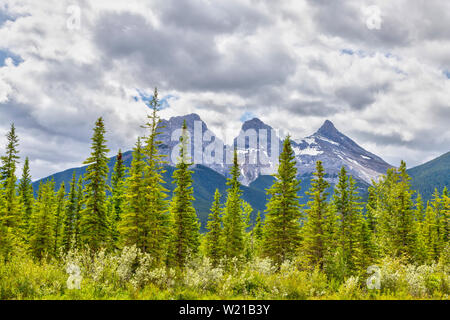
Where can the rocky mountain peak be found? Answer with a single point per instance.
(256, 124)
(328, 130)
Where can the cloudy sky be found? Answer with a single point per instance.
(380, 70)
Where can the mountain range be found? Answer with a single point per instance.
(258, 146)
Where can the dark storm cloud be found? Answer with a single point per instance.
(189, 58)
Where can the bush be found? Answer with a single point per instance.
(131, 274)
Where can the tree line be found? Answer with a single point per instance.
(341, 236)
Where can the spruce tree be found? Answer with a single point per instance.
(76, 242)
(395, 214)
(437, 204)
(371, 207)
(429, 230)
(60, 208)
(345, 199)
(446, 215)
(70, 216)
(155, 229)
(94, 225)
(214, 249)
(247, 212)
(131, 226)
(314, 231)
(282, 225)
(233, 224)
(257, 234)
(11, 158)
(42, 239)
(117, 195)
(10, 213)
(185, 227)
(26, 196)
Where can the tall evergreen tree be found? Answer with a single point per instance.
(395, 214)
(10, 214)
(155, 229)
(315, 237)
(79, 209)
(60, 208)
(371, 207)
(94, 220)
(214, 248)
(429, 231)
(185, 227)
(26, 196)
(42, 237)
(132, 226)
(437, 204)
(117, 195)
(11, 158)
(233, 224)
(348, 209)
(70, 216)
(247, 212)
(258, 234)
(282, 224)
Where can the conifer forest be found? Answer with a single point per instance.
(131, 238)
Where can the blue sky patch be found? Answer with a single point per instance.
(164, 101)
(5, 54)
(446, 73)
(247, 115)
(5, 16)
(347, 51)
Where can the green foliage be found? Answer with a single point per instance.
(60, 208)
(10, 211)
(132, 225)
(156, 223)
(127, 274)
(355, 237)
(316, 236)
(185, 234)
(117, 196)
(11, 158)
(94, 225)
(25, 191)
(42, 239)
(233, 223)
(396, 224)
(214, 236)
(282, 227)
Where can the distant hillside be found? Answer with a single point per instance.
(430, 175)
